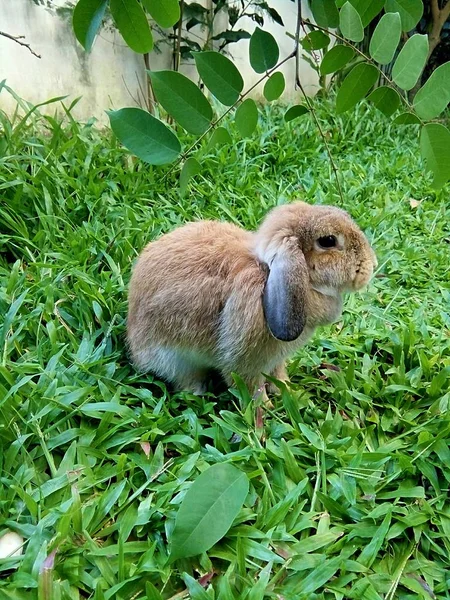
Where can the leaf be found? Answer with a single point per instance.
(190, 168)
(386, 99)
(196, 591)
(231, 36)
(355, 86)
(247, 117)
(407, 118)
(144, 135)
(369, 553)
(336, 58)
(319, 576)
(151, 593)
(274, 86)
(325, 13)
(410, 62)
(87, 18)
(132, 23)
(264, 51)
(367, 9)
(208, 510)
(182, 99)
(219, 137)
(274, 15)
(258, 590)
(385, 38)
(410, 11)
(165, 12)
(435, 150)
(350, 23)
(315, 40)
(434, 96)
(220, 76)
(295, 111)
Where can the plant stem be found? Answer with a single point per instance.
(177, 54)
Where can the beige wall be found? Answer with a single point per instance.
(111, 76)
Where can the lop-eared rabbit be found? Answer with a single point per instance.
(211, 295)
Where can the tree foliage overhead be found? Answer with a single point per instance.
(338, 29)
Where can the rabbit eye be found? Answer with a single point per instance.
(327, 241)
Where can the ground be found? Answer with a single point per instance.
(349, 472)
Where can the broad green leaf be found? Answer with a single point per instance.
(367, 9)
(274, 86)
(182, 99)
(336, 58)
(435, 150)
(190, 168)
(386, 99)
(410, 11)
(325, 13)
(220, 76)
(350, 23)
(295, 111)
(87, 18)
(264, 51)
(132, 23)
(410, 62)
(208, 510)
(407, 118)
(219, 137)
(355, 86)
(247, 117)
(434, 96)
(165, 12)
(144, 135)
(315, 40)
(385, 38)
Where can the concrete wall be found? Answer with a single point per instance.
(111, 76)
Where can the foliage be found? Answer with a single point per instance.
(349, 472)
(191, 110)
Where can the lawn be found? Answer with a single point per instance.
(349, 472)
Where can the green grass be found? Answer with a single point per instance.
(349, 473)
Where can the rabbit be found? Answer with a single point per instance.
(212, 296)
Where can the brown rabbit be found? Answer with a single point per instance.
(210, 295)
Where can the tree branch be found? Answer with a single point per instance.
(435, 12)
(445, 12)
(18, 39)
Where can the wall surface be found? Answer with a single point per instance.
(111, 76)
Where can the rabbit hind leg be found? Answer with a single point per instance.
(186, 371)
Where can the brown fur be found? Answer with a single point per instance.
(195, 299)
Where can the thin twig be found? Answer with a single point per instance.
(322, 134)
(297, 41)
(177, 57)
(18, 39)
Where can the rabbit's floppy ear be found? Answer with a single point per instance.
(284, 295)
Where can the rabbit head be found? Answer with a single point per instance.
(309, 250)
